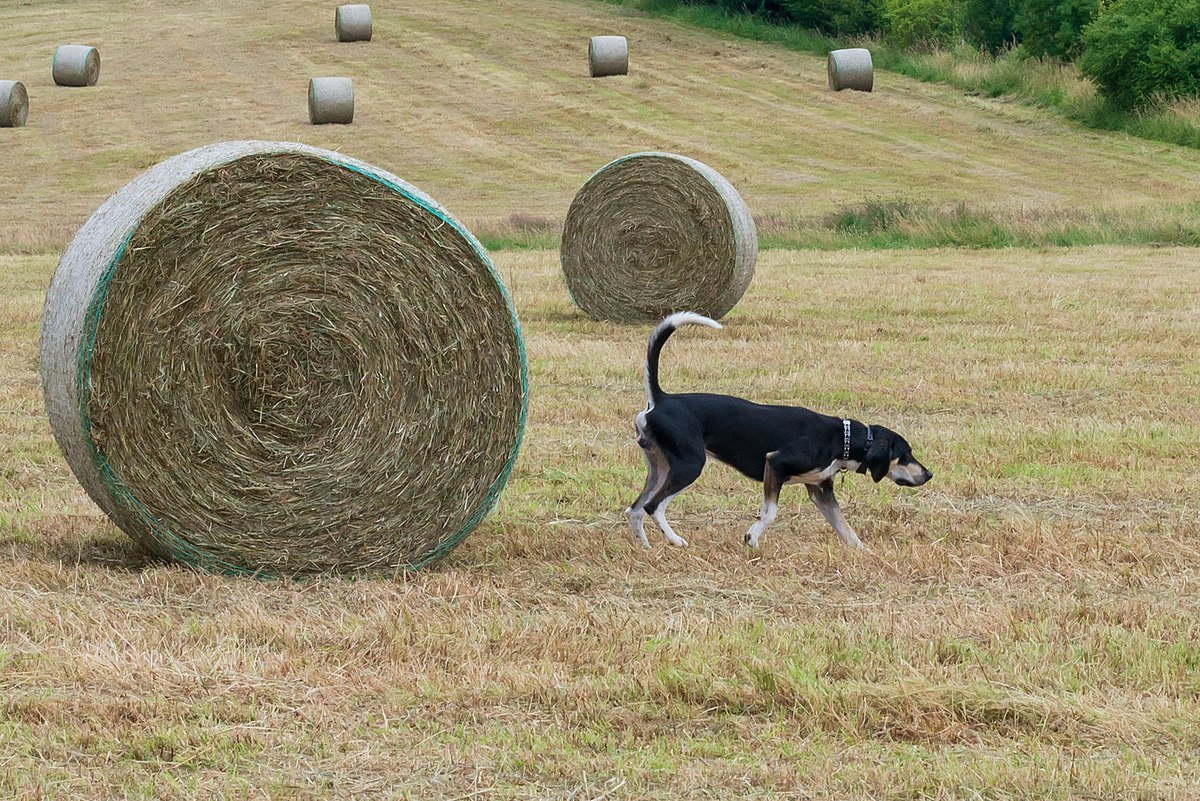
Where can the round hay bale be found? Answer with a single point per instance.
(608, 55)
(76, 65)
(263, 357)
(353, 23)
(14, 104)
(655, 233)
(850, 69)
(330, 100)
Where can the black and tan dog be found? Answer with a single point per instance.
(776, 445)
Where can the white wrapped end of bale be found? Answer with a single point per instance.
(608, 55)
(655, 233)
(14, 104)
(353, 23)
(263, 357)
(850, 69)
(330, 100)
(76, 65)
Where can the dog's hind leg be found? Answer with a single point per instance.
(681, 473)
(822, 496)
(656, 464)
(660, 517)
(772, 483)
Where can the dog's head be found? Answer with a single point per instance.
(890, 455)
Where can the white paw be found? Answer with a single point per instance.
(752, 536)
(677, 541)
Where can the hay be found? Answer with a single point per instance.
(262, 356)
(76, 65)
(850, 69)
(14, 104)
(353, 23)
(655, 233)
(608, 55)
(330, 100)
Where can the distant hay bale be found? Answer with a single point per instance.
(266, 357)
(353, 23)
(608, 55)
(14, 104)
(76, 65)
(655, 233)
(850, 69)
(330, 100)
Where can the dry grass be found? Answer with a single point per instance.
(1025, 626)
(486, 105)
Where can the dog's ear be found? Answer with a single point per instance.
(878, 459)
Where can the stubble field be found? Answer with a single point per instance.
(1024, 626)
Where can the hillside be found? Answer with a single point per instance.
(486, 105)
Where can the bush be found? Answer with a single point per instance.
(1053, 27)
(770, 9)
(837, 17)
(1139, 51)
(989, 23)
(920, 23)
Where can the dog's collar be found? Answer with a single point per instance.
(846, 439)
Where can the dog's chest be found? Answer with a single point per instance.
(817, 476)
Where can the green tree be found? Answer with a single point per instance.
(1139, 50)
(921, 23)
(838, 17)
(989, 23)
(1053, 27)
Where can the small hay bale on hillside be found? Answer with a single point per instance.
(266, 357)
(330, 100)
(608, 55)
(76, 65)
(655, 233)
(14, 104)
(353, 23)
(850, 69)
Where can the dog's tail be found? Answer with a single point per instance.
(658, 338)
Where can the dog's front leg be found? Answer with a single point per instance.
(826, 503)
(772, 482)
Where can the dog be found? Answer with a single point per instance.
(776, 445)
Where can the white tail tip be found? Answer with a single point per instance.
(688, 318)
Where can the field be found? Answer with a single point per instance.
(1027, 625)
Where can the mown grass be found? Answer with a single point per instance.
(507, 128)
(1024, 626)
(1044, 82)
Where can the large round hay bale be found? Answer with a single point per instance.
(608, 55)
(76, 65)
(14, 104)
(330, 100)
(850, 69)
(655, 233)
(353, 23)
(267, 357)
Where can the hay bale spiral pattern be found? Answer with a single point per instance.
(608, 55)
(850, 69)
(76, 65)
(330, 100)
(655, 233)
(14, 104)
(266, 357)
